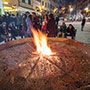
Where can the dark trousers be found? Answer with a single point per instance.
(13, 37)
(82, 27)
(72, 36)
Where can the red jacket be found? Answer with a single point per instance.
(44, 24)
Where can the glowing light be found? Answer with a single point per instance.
(71, 9)
(5, 2)
(40, 40)
(86, 8)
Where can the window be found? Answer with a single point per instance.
(23, 1)
(29, 2)
(42, 3)
(45, 4)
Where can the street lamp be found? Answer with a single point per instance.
(71, 9)
(5, 2)
(86, 8)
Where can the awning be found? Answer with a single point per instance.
(23, 10)
(8, 7)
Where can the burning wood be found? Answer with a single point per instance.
(40, 40)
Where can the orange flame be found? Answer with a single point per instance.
(40, 40)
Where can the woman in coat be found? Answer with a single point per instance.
(51, 26)
(44, 24)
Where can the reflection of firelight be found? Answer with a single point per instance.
(40, 41)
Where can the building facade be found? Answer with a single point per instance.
(41, 5)
(31, 5)
(36, 5)
(57, 4)
(46, 5)
(25, 3)
(17, 5)
(84, 6)
(1, 8)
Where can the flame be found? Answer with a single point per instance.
(40, 40)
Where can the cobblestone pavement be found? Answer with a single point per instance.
(82, 36)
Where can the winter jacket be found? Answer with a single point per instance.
(44, 24)
(52, 28)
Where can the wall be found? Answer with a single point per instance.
(1, 8)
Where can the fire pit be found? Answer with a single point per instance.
(23, 69)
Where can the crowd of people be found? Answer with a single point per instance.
(12, 26)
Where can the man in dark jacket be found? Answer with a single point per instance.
(4, 32)
(51, 26)
(70, 31)
(62, 30)
(83, 23)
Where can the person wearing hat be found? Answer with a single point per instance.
(4, 32)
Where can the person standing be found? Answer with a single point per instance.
(52, 27)
(35, 21)
(18, 22)
(4, 32)
(44, 24)
(24, 25)
(1, 19)
(28, 22)
(83, 23)
(57, 20)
